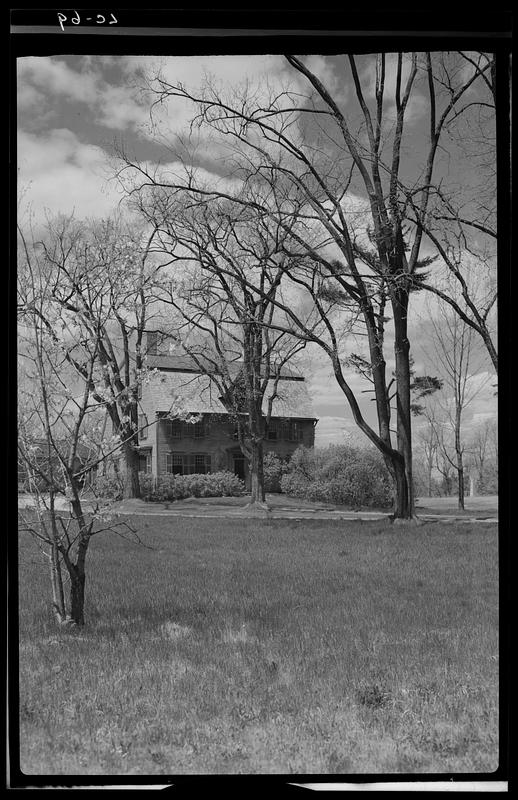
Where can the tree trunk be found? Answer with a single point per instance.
(460, 475)
(258, 494)
(77, 596)
(402, 506)
(77, 571)
(460, 461)
(131, 485)
(405, 503)
(430, 488)
(56, 577)
(393, 459)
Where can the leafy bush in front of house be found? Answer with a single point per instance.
(109, 487)
(166, 488)
(274, 468)
(147, 484)
(341, 474)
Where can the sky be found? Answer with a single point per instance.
(74, 110)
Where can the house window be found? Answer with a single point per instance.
(142, 423)
(188, 463)
(175, 463)
(294, 432)
(199, 429)
(201, 463)
(272, 433)
(145, 463)
(195, 430)
(174, 428)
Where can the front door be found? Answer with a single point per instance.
(239, 466)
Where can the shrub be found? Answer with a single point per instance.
(147, 484)
(340, 474)
(303, 463)
(109, 487)
(274, 468)
(177, 487)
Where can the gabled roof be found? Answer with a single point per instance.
(198, 394)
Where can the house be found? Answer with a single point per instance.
(184, 427)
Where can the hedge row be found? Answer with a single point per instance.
(173, 487)
(178, 487)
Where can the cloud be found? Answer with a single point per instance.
(114, 106)
(322, 68)
(118, 91)
(61, 174)
(416, 104)
(118, 109)
(337, 430)
(29, 97)
(329, 399)
(54, 76)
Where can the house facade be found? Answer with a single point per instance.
(185, 428)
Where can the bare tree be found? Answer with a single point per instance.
(298, 146)
(55, 456)
(460, 221)
(227, 270)
(452, 351)
(427, 445)
(482, 458)
(99, 277)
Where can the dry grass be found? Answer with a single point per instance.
(239, 646)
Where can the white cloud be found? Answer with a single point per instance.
(416, 104)
(322, 68)
(337, 430)
(329, 399)
(126, 105)
(119, 110)
(59, 173)
(55, 77)
(112, 106)
(29, 97)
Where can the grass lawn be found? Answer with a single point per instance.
(251, 646)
